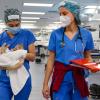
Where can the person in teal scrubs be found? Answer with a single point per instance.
(66, 43)
(14, 37)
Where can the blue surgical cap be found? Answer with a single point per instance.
(12, 14)
(74, 9)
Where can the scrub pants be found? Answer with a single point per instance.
(66, 92)
(6, 92)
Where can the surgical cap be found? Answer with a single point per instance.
(74, 9)
(11, 15)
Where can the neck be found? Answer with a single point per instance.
(72, 28)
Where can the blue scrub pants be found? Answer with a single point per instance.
(66, 92)
(6, 92)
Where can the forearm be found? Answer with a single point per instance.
(30, 56)
(10, 67)
(6, 68)
(48, 73)
(87, 55)
(31, 53)
(49, 69)
(14, 67)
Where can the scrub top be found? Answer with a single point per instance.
(73, 48)
(23, 37)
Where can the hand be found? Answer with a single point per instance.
(18, 47)
(3, 50)
(18, 65)
(46, 92)
(15, 67)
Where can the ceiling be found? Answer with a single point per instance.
(51, 15)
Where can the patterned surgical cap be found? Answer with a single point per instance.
(12, 14)
(73, 8)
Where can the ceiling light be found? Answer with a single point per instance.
(29, 26)
(28, 21)
(38, 4)
(57, 22)
(89, 7)
(92, 7)
(30, 17)
(39, 13)
(90, 11)
(95, 19)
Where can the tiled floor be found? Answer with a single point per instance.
(37, 71)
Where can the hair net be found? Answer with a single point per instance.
(73, 8)
(12, 14)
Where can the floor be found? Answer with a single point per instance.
(37, 71)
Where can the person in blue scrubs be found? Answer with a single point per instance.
(66, 43)
(13, 38)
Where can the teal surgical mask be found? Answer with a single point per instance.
(13, 30)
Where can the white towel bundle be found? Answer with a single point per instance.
(18, 77)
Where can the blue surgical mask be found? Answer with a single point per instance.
(13, 30)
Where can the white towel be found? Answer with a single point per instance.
(18, 77)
